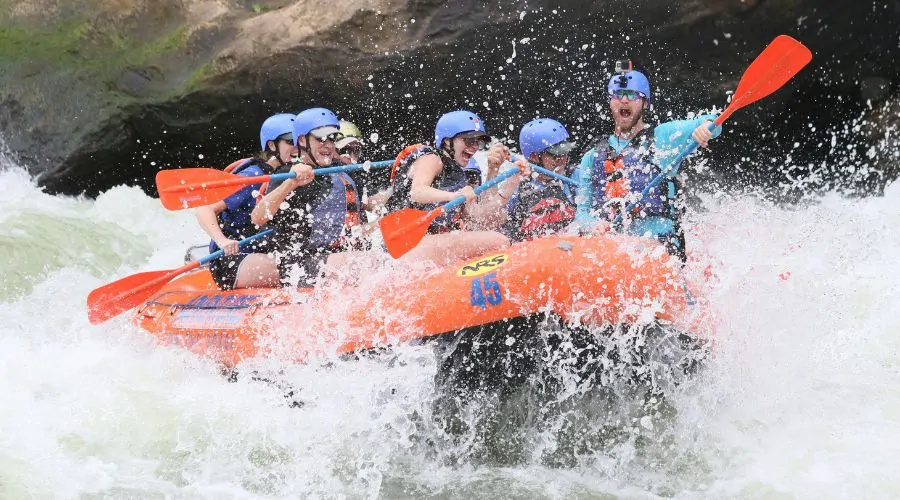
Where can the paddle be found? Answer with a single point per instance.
(404, 229)
(772, 68)
(544, 171)
(194, 187)
(113, 299)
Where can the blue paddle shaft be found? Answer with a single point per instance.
(549, 173)
(584, 194)
(215, 255)
(335, 170)
(480, 189)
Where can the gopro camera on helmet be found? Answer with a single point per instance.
(623, 66)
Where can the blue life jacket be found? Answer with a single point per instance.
(235, 219)
(635, 170)
(334, 215)
(313, 218)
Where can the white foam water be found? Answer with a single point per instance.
(799, 402)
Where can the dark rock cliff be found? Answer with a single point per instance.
(100, 92)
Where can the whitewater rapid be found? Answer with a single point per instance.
(800, 402)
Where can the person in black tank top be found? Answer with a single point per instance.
(425, 177)
(316, 218)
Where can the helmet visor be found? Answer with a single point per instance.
(288, 138)
(560, 149)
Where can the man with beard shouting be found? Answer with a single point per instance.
(625, 162)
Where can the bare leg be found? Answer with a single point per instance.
(446, 248)
(257, 270)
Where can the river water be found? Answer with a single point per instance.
(801, 400)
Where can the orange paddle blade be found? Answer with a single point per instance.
(778, 63)
(404, 229)
(113, 299)
(195, 187)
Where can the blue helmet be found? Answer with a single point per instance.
(310, 119)
(544, 133)
(630, 80)
(274, 127)
(454, 123)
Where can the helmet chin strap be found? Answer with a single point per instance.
(448, 149)
(276, 154)
(309, 152)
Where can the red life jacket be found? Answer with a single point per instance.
(351, 219)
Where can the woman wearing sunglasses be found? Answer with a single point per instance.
(423, 177)
(314, 216)
(349, 143)
(228, 221)
(626, 161)
(544, 205)
(370, 184)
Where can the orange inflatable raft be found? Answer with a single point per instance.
(588, 284)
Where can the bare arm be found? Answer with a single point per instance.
(271, 202)
(207, 216)
(423, 172)
(490, 211)
(377, 201)
(265, 209)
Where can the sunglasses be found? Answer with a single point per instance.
(288, 138)
(632, 95)
(350, 150)
(330, 137)
(479, 140)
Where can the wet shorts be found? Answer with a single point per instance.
(224, 270)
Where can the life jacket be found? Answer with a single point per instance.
(236, 224)
(624, 175)
(452, 178)
(539, 210)
(335, 218)
(238, 165)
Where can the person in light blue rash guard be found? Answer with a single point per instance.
(623, 164)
